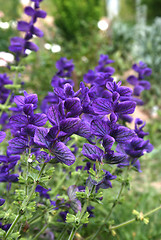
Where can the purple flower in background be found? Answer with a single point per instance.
(105, 182)
(43, 191)
(65, 67)
(103, 61)
(5, 227)
(139, 125)
(138, 82)
(142, 70)
(59, 80)
(74, 202)
(19, 45)
(2, 201)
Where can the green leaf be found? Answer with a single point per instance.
(85, 220)
(15, 235)
(2, 233)
(22, 180)
(70, 218)
(92, 172)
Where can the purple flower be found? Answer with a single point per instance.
(139, 125)
(103, 61)
(138, 82)
(105, 182)
(19, 45)
(2, 201)
(47, 139)
(43, 191)
(65, 67)
(74, 202)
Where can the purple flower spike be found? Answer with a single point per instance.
(20, 45)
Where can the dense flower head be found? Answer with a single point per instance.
(24, 124)
(60, 79)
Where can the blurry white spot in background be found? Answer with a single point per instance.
(5, 58)
(25, 2)
(4, 25)
(102, 25)
(55, 48)
(84, 59)
(115, 78)
(13, 24)
(154, 111)
(48, 46)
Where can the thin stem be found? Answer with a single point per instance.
(39, 233)
(72, 234)
(133, 219)
(74, 229)
(6, 103)
(106, 219)
(62, 233)
(25, 203)
(12, 226)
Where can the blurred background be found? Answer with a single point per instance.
(128, 31)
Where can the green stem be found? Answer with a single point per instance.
(6, 103)
(61, 236)
(12, 226)
(72, 234)
(106, 219)
(133, 219)
(36, 182)
(74, 229)
(25, 203)
(35, 218)
(39, 233)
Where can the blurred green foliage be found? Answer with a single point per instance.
(119, 45)
(154, 8)
(5, 36)
(149, 51)
(10, 9)
(8, 15)
(127, 10)
(77, 19)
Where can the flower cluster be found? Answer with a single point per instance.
(95, 115)
(139, 82)
(19, 45)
